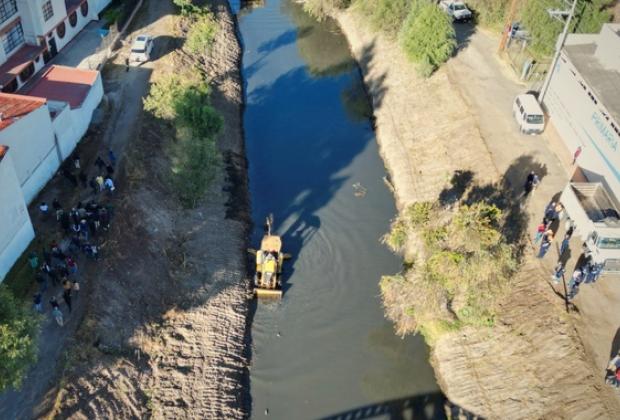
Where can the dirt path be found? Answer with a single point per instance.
(532, 364)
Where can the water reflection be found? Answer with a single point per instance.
(321, 44)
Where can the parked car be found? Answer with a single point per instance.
(457, 10)
(528, 114)
(518, 31)
(141, 49)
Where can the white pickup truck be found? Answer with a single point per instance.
(457, 10)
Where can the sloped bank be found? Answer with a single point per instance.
(531, 364)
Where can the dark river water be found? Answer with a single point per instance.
(325, 349)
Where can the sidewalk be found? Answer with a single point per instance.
(478, 72)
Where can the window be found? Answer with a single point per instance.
(7, 9)
(25, 74)
(10, 87)
(84, 8)
(13, 38)
(48, 12)
(608, 243)
(60, 30)
(73, 19)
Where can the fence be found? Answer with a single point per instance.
(528, 68)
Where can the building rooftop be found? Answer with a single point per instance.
(14, 107)
(18, 62)
(64, 84)
(605, 83)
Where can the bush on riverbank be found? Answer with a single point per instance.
(461, 270)
(320, 9)
(18, 349)
(428, 38)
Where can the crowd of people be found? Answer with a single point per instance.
(587, 271)
(81, 227)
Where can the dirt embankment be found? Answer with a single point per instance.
(532, 364)
(165, 332)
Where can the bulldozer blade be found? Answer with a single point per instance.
(268, 293)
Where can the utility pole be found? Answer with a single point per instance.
(508, 26)
(557, 14)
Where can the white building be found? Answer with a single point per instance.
(583, 102)
(37, 133)
(16, 230)
(33, 31)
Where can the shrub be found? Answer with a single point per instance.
(385, 15)
(186, 6)
(18, 329)
(164, 94)
(201, 35)
(460, 275)
(428, 38)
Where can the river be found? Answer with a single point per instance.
(325, 349)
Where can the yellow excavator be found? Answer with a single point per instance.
(269, 260)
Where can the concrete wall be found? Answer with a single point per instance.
(581, 122)
(32, 146)
(16, 230)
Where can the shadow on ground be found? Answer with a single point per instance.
(433, 406)
(507, 194)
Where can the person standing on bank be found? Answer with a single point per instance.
(531, 182)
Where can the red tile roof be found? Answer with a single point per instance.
(13, 107)
(18, 62)
(65, 84)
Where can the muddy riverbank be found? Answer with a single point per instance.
(165, 331)
(532, 363)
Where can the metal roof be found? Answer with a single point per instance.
(605, 83)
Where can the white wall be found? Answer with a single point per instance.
(70, 31)
(16, 230)
(31, 142)
(70, 125)
(581, 122)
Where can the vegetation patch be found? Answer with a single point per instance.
(461, 271)
(544, 30)
(18, 332)
(184, 100)
(320, 9)
(385, 15)
(428, 38)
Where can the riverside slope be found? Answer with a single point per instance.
(532, 364)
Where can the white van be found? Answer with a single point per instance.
(529, 114)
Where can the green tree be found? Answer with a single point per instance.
(428, 38)
(186, 6)
(544, 30)
(490, 13)
(18, 330)
(164, 94)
